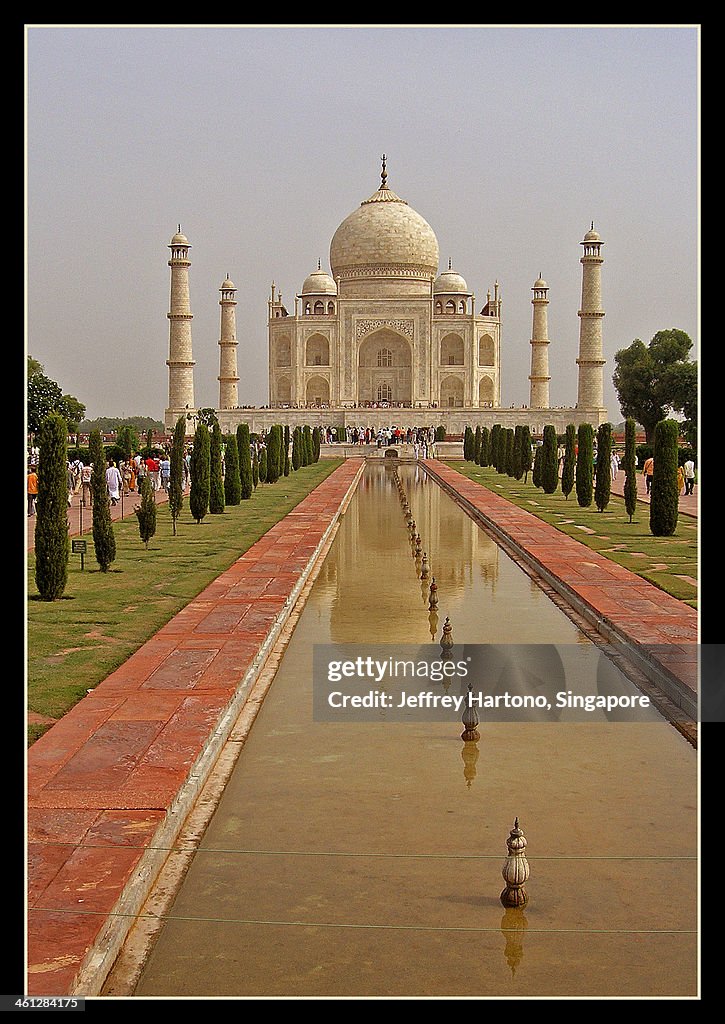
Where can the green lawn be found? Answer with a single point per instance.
(660, 560)
(102, 618)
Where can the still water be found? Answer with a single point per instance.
(352, 858)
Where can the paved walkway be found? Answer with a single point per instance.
(688, 504)
(119, 772)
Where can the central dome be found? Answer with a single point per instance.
(384, 237)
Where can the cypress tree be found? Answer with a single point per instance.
(286, 449)
(306, 445)
(536, 474)
(146, 512)
(232, 478)
(664, 496)
(263, 466)
(468, 444)
(603, 476)
(549, 461)
(244, 452)
(104, 540)
(484, 454)
(516, 462)
(51, 528)
(493, 447)
(477, 445)
(255, 469)
(316, 444)
(273, 452)
(509, 452)
(200, 473)
(567, 470)
(584, 464)
(176, 479)
(501, 451)
(630, 466)
(526, 456)
(296, 457)
(216, 480)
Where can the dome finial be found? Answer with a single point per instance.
(384, 174)
(449, 263)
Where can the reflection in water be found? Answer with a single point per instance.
(469, 753)
(513, 926)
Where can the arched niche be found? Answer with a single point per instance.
(317, 351)
(452, 350)
(318, 391)
(451, 392)
(486, 351)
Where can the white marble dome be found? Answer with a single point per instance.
(449, 282)
(319, 283)
(384, 234)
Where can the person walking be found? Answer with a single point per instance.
(615, 465)
(648, 472)
(113, 482)
(86, 490)
(680, 479)
(32, 489)
(165, 469)
(71, 480)
(689, 470)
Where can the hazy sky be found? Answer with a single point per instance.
(260, 140)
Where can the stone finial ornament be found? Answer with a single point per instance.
(515, 869)
(469, 719)
(424, 568)
(433, 594)
(447, 638)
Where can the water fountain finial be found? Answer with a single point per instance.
(515, 869)
(433, 594)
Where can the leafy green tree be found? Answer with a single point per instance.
(477, 445)
(526, 454)
(296, 453)
(245, 461)
(104, 540)
(652, 380)
(550, 460)
(146, 511)
(584, 465)
(208, 417)
(232, 478)
(44, 397)
(200, 469)
(255, 468)
(603, 473)
(286, 449)
(51, 528)
(440, 433)
(516, 470)
(216, 479)
(127, 442)
(306, 445)
(176, 478)
(630, 466)
(509, 452)
(263, 466)
(274, 451)
(467, 444)
(72, 412)
(316, 444)
(495, 435)
(567, 470)
(664, 496)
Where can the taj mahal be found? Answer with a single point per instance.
(386, 336)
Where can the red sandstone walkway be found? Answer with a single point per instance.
(628, 607)
(104, 781)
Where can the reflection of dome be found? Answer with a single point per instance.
(449, 281)
(384, 233)
(319, 283)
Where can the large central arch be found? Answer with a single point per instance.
(385, 367)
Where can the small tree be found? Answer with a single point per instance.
(630, 466)
(274, 452)
(104, 540)
(316, 444)
(245, 461)
(307, 445)
(255, 469)
(484, 453)
(664, 496)
(232, 479)
(146, 512)
(584, 465)
(493, 455)
(509, 452)
(603, 475)
(216, 480)
(477, 445)
(567, 470)
(516, 463)
(549, 461)
(526, 455)
(51, 528)
(176, 478)
(263, 466)
(200, 469)
(536, 474)
(296, 454)
(286, 449)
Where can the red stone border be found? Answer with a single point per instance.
(111, 782)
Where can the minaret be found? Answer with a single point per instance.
(539, 376)
(180, 361)
(591, 358)
(228, 378)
